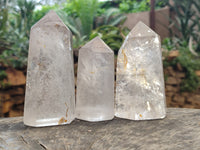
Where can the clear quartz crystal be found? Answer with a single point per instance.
(50, 90)
(140, 92)
(95, 82)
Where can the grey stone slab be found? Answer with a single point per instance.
(180, 130)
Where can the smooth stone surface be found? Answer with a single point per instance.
(180, 130)
(50, 89)
(140, 90)
(95, 82)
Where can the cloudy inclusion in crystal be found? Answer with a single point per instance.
(50, 98)
(95, 82)
(140, 92)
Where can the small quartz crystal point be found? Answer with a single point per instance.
(140, 90)
(95, 82)
(50, 89)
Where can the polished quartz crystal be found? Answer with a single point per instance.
(50, 90)
(95, 82)
(140, 91)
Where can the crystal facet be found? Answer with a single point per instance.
(50, 90)
(140, 92)
(95, 82)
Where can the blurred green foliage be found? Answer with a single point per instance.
(187, 60)
(4, 44)
(86, 11)
(186, 21)
(38, 14)
(112, 36)
(133, 6)
(4, 16)
(111, 16)
(89, 18)
(129, 6)
(3, 75)
(16, 33)
(185, 38)
(82, 21)
(168, 44)
(190, 65)
(17, 18)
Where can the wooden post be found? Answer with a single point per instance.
(152, 15)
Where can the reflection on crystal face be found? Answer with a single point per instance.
(50, 74)
(95, 82)
(140, 93)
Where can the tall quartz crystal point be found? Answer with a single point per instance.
(95, 82)
(140, 92)
(50, 90)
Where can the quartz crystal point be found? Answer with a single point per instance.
(95, 82)
(50, 89)
(140, 92)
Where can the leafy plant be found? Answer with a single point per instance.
(3, 16)
(190, 64)
(129, 6)
(160, 4)
(4, 44)
(74, 24)
(173, 43)
(168, 44)
(86, 11)
(105, 5)
(112, 36)
(38, 14)
(4, 85)
(20, 22)
(187, 21)
(111, 16)
(3, 75)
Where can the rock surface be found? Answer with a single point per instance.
(180, 130)
(14, 77)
